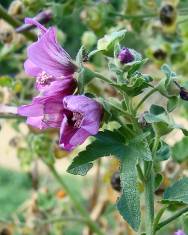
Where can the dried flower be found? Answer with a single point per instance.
(82, 117)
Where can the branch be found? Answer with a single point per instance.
(15, 23)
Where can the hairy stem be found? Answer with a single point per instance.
(149, 189)
(145, 97)
(15, 23)
(149, 201)
(172, 218)
(157, 218)
(93, 226)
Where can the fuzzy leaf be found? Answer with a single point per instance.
(178, 192)
(129, 203)
(172, 103)
(107, 143)
(164, 152)
(135, 85)
(180, 150)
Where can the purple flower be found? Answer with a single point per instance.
(47, 111)
(179, 232)
(43, 112)
(125, 56)
(47, 60)
(82, 117)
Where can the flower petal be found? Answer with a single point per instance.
(36, 23)
(91, 110)
(64, 86)
(31, 69)
(71, 137)
(50, 56)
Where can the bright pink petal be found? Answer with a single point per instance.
(64, 86)
(31, 69)
(71, 137)
(50, 56)
(36, 23)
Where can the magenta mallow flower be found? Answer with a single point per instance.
(47, 60)
(47, 111)
(82, 116)
(125, 56)
(180, 232)
(43, 112)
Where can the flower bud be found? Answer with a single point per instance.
(43, 17)
(125, 56)
(183, 93)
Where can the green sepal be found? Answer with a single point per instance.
(106, 44)
(167, 87)
(134, 85)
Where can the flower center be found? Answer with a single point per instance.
(77, 119)
(44, 79)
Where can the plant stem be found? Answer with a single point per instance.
(149, 201)
(15, 23)
(157, 218)
(129, 17)
(94, 227)
(103, 78)
(145, 97)
(172, 218)
(149, 189)
(11, 117)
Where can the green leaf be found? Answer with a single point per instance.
(107, 143)
(180, 150)
(79, 56)
(135, 85)
(142, 149)
(85, 76)
(172, 103)
(161, 120)
(80, 169)
(158, 180)
(167, 86)
(167, 71)
(135, 65)
(107, 43)
(178, 192)
(164, 152)
(129, 203)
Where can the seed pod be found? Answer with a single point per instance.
(115, 181)
(16, 8)
(167, 15)
(160, 54)
(5, 231)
